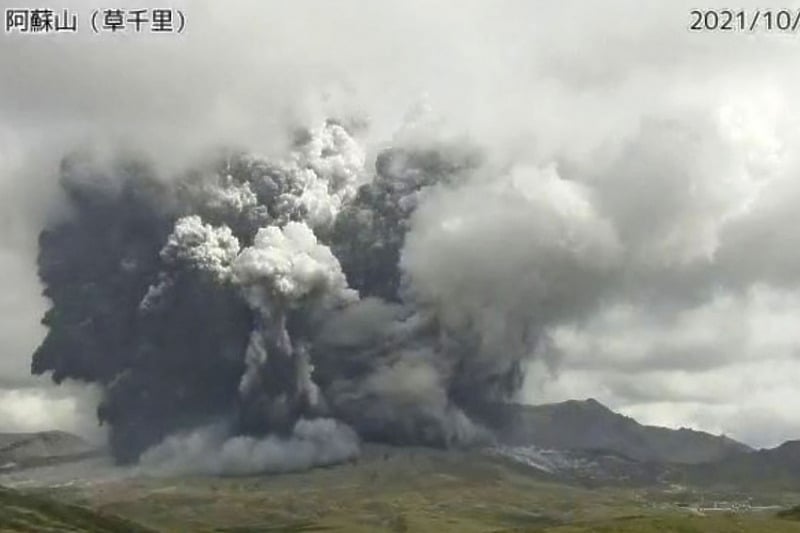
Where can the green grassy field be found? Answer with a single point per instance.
(25, 512)
(727, 523)
(397, 492)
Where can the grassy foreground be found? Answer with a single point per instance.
(392, 491)
(25, 512)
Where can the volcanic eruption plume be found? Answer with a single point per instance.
(267, 315)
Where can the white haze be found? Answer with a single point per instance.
(638, 210)
(209, 450)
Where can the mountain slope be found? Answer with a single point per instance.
(589, 425)
(778, 467)
(28, 449)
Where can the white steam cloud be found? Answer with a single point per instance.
(208, 450)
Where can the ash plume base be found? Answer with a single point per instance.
(211, 450)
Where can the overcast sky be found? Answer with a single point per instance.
(684, 145)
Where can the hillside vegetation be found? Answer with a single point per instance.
(27, 513)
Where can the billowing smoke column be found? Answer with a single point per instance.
(260, 315)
